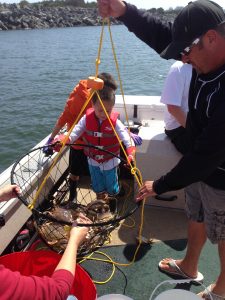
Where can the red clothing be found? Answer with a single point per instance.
(14, 286)
(74, 105)
(100, 134)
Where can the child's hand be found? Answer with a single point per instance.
(8, 192)
(130, 153)
(136, 138)
(47, 149)
(58, 142)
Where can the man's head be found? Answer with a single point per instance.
(191, 24)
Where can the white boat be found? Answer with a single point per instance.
(154, 157)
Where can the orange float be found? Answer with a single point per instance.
(95, 83)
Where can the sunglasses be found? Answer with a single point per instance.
(187, 50)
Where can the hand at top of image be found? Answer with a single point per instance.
(111, 8)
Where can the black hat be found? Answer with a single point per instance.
(193, 21)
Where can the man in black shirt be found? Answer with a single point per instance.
(197, 36)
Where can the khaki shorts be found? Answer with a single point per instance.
(207, 204)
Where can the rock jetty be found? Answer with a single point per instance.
(13, 16)
(27, 15)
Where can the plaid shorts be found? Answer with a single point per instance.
(207, 204)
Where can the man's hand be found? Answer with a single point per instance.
(111, 8)
(145, 191)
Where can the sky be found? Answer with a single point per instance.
(165, 4)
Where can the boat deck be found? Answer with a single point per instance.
(164, 222)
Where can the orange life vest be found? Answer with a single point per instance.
(100, 135)
(74, 105)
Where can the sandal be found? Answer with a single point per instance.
(207, 294)
(177, 272)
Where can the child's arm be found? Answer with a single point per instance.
(78, 129)
(123, 134)
(127, 140)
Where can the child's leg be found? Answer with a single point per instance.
(111, 181)
(77, 163)
(97, 179)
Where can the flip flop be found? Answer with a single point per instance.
(177, 272)
(207, 294)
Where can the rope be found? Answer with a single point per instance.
(31, 205)
(134, 170)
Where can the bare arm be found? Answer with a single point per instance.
(77, 234)
(178, 114)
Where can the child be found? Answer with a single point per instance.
(96, 130)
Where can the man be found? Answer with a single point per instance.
(175, 97)
(197, 37)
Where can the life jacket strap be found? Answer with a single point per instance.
(99, 134)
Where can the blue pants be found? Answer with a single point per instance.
(104, 180)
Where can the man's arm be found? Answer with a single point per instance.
(143, 24)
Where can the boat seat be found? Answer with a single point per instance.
(155, 157)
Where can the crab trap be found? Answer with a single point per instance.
(45, 189)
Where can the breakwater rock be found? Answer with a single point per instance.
(30, 16)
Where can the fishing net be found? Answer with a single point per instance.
(44, 189)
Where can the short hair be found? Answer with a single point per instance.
(108, 91)
(221, 29)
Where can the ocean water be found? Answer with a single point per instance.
(39, 69)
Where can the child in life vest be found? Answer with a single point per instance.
(96, 130)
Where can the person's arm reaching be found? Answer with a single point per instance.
(150, 29)
(8, 192)
(77, 234)
(15, 286)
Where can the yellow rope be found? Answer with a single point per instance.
(98, 60)
(134, 170)
(31, 205)
(118, 72)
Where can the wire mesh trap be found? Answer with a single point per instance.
(44, 185)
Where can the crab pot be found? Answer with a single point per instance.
(43, 263)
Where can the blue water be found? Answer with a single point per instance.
(39, 68)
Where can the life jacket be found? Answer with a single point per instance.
(74, 105)
(100, 135)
